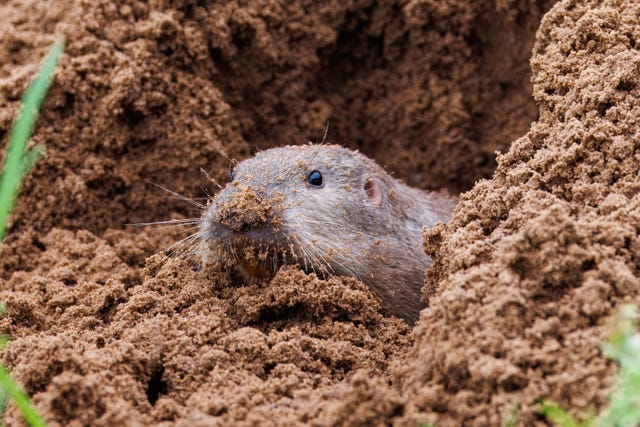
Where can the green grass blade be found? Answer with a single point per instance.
(624, 348)
(13, 168)
(3, 405)
(558, 416)
(20, 399)
(16, 165)
(29, 159)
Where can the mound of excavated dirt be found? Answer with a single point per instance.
(103, 343)
(524, 276)
(536, 259)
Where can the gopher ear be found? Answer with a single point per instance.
(374, 191)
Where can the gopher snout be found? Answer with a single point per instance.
(243, 209)
(239, 222)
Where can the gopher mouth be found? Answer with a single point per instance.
(256, 270)
(261, 259)
(256, 259)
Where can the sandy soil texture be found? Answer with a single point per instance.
(543, 246)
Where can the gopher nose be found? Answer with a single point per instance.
(243, 210)
(242, 221)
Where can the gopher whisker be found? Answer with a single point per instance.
(180, 196)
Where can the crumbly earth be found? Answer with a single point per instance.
(535, 260)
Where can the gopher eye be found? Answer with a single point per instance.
(314, 179)
(232, 175)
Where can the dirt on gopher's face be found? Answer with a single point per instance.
(313, 205)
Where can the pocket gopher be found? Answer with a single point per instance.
(330, 210)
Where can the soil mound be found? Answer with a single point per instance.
(537, 258)
(99, 342)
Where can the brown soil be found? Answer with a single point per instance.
(533, 262)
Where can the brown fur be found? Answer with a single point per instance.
(269, 216)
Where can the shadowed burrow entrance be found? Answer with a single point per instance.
(429, 90)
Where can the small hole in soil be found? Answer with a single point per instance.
(131, 117)
(398, 411)
(626, 85)
(486, 231)
(38, 244)
(268, 367)
(602, 108)
(588, 265)
(69, 281)
(242, 35)
(69, 102)
(156, 386)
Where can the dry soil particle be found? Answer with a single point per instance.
(535, 260)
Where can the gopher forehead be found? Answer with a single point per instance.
(283, 162)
